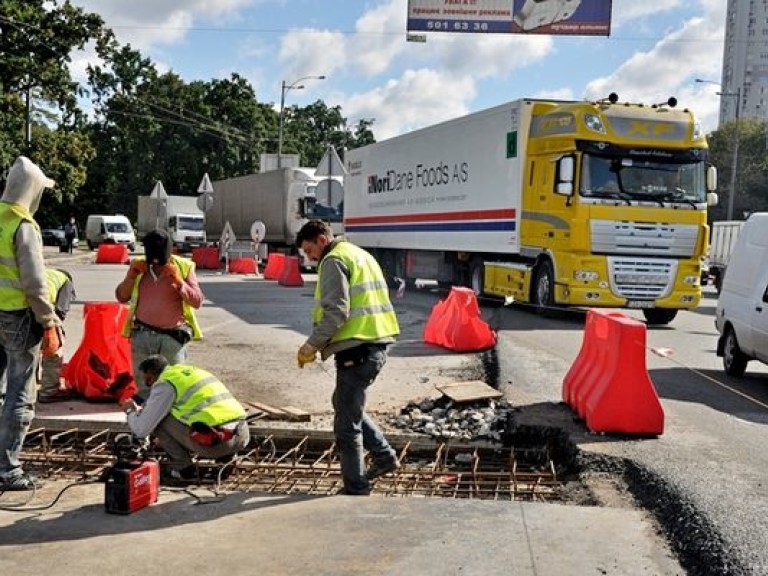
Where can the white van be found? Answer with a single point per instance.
(742, 308)
(109, 229)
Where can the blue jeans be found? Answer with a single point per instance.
(145, 343)
(353, 428)
(20, 337)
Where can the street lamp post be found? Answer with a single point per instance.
(736, 141)
(284, 87)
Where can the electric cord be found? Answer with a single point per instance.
(24, 506)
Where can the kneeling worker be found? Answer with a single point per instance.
(190, 412)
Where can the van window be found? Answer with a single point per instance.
(117, 227)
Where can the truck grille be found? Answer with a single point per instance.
(621, 237)
(641, 279)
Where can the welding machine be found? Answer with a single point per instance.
(134, 481)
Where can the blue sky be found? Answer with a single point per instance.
(655, 50)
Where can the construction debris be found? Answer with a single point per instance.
(445, 419)
(259, 410)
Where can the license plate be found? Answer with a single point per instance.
(641, 304)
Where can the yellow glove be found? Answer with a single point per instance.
(307, 354)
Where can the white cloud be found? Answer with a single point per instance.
(624, 11)
(308, 52)
(418, 98)
(694, 50)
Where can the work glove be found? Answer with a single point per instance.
(137, 267)
(51, 341)
(172, 271)
(307, 354)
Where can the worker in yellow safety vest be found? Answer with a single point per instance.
(354, 321)
(29, 326)
(190, 412)
(61, 291)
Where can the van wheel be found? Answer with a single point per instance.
(544, 289)
(734, 360)
(659, 316)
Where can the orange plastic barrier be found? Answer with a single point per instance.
(608, 384)
(103, 355)
(243, 266)
(291, 275)
(275, 263)
(112, 254)
(206, 258)
(455, 323)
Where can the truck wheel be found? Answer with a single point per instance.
(477, 277)
(734, 360)
(659, 316)
(544, 289)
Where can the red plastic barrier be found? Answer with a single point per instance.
(112, 254)
(275, 263)
(608, 384)
(102, 355)
(243, 266)
(206, 258)
(455, 323)
(291, 275)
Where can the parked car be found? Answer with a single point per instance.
(741, 317)
(55, 237)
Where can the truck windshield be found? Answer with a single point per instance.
(632, 179)
(188, 223)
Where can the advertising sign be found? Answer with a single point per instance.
(556, 17)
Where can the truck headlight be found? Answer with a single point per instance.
(594, 123)
(586, 275)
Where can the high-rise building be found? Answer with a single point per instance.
(745, 61)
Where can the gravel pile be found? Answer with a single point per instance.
(443, 419)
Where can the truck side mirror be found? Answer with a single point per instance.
(712, 199)
(711, 178)
(564, 175)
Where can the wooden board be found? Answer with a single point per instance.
(290, 413)
(469, 391)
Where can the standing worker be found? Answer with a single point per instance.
(190, 412)
(61, 291)
(163, 293)
(354, 321)
(28, 323)
(70, 233)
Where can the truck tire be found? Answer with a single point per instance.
(477, 277)
(659, 316)
(543, 289)
(734, 360)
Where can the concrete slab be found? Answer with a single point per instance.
(243, 533)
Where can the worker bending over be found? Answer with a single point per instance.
(190, 412)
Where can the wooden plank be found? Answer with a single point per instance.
(271, 412)
(469, 391)
(296, 414)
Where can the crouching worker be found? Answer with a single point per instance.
(190, 412)
(61, 291)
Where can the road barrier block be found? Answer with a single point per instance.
(206, 257)
(112, 254)
(274, 268)
(455, 323)
(243, 266)
(291, 274)
(608, 384)
(103, 354)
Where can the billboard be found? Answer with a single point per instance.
(558, 17)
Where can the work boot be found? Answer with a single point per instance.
(381, 468)
(20, 483)
(179, 477)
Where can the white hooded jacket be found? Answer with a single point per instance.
(25, 186)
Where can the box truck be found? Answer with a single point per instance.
(548, 202)
(177, 215)
(721, 244)
(282, 199)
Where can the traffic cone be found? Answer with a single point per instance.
(291, 275)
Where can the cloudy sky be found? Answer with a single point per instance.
(655, 51)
